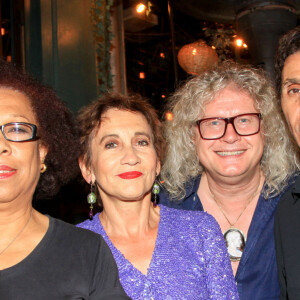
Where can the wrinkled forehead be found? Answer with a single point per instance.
(118, 119)
(227, 95)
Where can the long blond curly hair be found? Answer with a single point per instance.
(279, 160)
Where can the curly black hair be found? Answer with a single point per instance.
(289, 44)
(57, 129)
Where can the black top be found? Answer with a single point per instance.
(287, 239)
(68, 263)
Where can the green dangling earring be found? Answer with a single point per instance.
(155, 191)
(91, 199)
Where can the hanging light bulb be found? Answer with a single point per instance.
(142, 75)
(169, 116)
(140, 8)
(239, 42)
(144, 7)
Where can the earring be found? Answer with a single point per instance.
(43, 168)
(155, 191)
(91, 199)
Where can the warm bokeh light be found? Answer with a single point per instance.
(239, 42)
(142, 75)
(169, 116)
(194, 51)
(140, 8)
(163, 96)
(162, 55)
(213, 47)
(245, 45)
(2, 31)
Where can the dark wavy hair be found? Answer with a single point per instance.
(89, 119)
(288, 44)
(56, 128)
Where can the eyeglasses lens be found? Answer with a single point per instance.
(214, 128)
(18, 132)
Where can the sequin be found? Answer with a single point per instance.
(190, 260)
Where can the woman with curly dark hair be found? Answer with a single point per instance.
(41, 257)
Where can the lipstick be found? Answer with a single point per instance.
(6, 172)
(130, 175)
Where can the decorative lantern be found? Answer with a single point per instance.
(197, 57)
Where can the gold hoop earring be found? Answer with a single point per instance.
(43, 168)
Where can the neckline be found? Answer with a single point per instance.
(34, 253)
(119, 256)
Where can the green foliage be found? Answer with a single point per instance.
(222, 38)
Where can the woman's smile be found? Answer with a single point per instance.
(130, 175)
(6, 171)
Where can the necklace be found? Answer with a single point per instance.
(234, 237)
(19, 233)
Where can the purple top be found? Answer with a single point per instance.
(190, 259)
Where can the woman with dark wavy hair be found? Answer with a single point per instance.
(41, 257)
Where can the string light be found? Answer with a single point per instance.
(239, 42)
(140, 8)
(169, 116)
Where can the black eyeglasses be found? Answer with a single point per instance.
(19, 131)
(215, 128)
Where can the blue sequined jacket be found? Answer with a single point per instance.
(190, 260)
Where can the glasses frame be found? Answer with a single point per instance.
(229, 121)
(33, 135)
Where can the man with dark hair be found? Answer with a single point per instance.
(287, 219)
